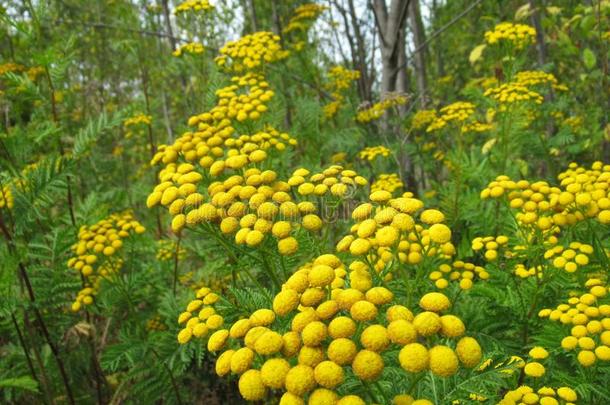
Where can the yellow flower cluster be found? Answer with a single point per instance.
(371, 152)
(340, 80)
(422, 118)
(509, 93)
(517, 35)
(388, 182)
(531, 78)
(305, 343)
(194, 5)
(589, 318)
(96, 252)
(335, 180)
(251, 52)
(568, 259)
(250, 201)
(166, 250)
(476, 127)
(6, 197)
(200, 317)
(377, 110)
(11, 67)
(583, 193)
(136, 120)
(193, 48)
(491, 245)
(463, 273)
(459, 111)
(534, 367)
(303, 17)
(155, 324)
(523, 272)
(245, 99)
(544, 396)
(386, 233)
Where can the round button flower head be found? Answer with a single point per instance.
(329, 374)
(362, 212)
(292, 344)
(375, 338)
(251, 386)
(402, 332)
(314, 333)
(414, 357)
(321, 275)
(432, 217)
(363, 311)
(380, 196)
(242, 360)
(402, 399)
(311, 356)
(285, 302)
(567, 394)
(288, 246)
(422, 402)
(273, 373)
(300, 380)
(435, 302)
(359, 247)
(586, 358)
(538, 353)
(291, 399)
(367, 365)
(427, 323)
(184, 336)
(268, 343)
(452, 326)
(351, 400)
(322, 396)
(443, 361)
(439, 233)
(469, 351)
(223, 363)
(534, 369)
(312, 222)
(379, 295)
(396, 312)
(262, 317)
(218, 339)
(387, 236)
(342, 351)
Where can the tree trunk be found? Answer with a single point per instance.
(364, 82)
(390, 24)
(419, 57)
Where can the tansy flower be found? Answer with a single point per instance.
(367, 365)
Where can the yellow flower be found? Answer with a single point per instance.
(443, 361)
(534, 369)
(300, 380)
(328, 374)
(414, 357)
(342, 351)
(427, 323)
(251, 386)
(435, 302)
(367, 365)
(469, 351)
(273, 373)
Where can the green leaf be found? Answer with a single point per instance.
(589, 58)
(24, 383)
